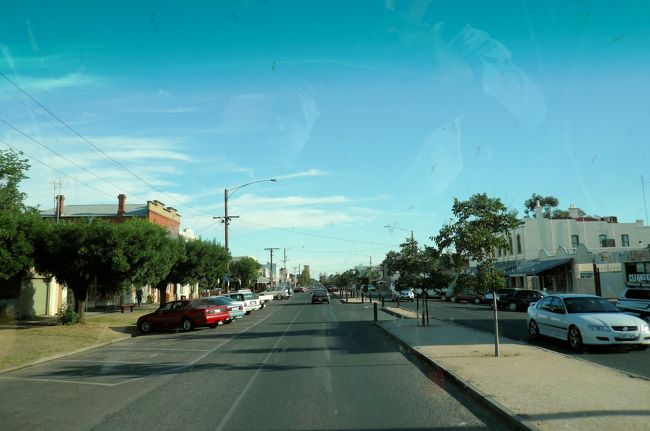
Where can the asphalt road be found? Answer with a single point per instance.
(513, 325)
(290, 366)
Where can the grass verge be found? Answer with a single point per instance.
(24, 345)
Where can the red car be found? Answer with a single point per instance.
(185, 314)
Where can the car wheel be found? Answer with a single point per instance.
(452, 299)
(575, 339)
(533, 330)
(187, 325)
(512, 306)
(443, 298)
(214, 325)
(477, 300)
(227, 321)
(145, 327)
(640, 347)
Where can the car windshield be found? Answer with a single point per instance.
(155, 151)
(589, 305)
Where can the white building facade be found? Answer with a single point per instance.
(577, 254)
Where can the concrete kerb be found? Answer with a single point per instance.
(512, 418)
(64, 354)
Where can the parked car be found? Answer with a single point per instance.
(320, 296)
(489, 296)
(431, 293)
(184, 314)
(519, 299)
(236, 308)
(586, 320)
(251, 300)
(263, 297)
(635, 300)
(466, 295)
(280, 293)
(404, 295)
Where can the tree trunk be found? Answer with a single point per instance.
(80, 303)
(162, 291)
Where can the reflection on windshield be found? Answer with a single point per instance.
(589, 305)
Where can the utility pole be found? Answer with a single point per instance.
(226, 218)
(645, 206)
(270, 250)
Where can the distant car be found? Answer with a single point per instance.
(320, 296)
(489, 296)
(519, 299)
(404, 295)
(184, 314)
(431, 293)
(251, 300)
(466, 295)
(635, 300)
(586, 320)
(236, 308)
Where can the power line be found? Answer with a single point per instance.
(319, 236)
(66, 158)
(117, 163)
(55, 169)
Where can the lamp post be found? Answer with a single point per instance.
(226, 218)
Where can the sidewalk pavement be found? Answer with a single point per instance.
(534, 388)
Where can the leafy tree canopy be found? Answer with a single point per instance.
(12, 172)
(245, 269)
(480, 226)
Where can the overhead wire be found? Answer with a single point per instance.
(317, 235)
(55, 169)
(95, 147)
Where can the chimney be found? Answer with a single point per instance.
(121, 204)
(574, 212)
(59, 206)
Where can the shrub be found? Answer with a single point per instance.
(67, 315)
(149, 299)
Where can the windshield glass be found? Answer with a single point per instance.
(589, 305)
(417, 159)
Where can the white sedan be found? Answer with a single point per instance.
(586, 320)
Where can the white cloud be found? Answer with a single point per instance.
(252, 201)
(74, 79)
(307, 173)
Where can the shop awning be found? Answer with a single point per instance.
(534, 267)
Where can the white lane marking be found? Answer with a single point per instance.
(243, 393)
(190, 364)
(147, 349)
(76, 382)
(180, 367)
(157, 364)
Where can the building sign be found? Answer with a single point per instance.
(637, 272)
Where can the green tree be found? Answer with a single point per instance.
(12, 172)
(480, 226)
(245, 269)
(76, 253)
(304, 279)
(209, 260)
(18, 235)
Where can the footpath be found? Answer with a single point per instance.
(532, 387)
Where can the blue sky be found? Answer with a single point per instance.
(369, 113)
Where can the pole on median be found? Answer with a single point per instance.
(417, 310)
(374, 309)
(496, 325)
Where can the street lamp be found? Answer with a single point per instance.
(226, 218)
